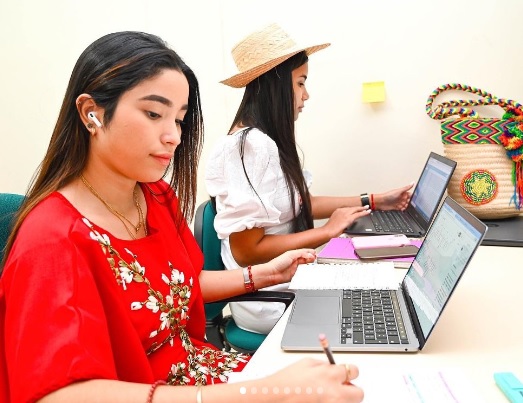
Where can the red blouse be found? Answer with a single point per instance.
(76, 303)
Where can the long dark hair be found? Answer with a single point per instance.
(106, 69)
(268, 105)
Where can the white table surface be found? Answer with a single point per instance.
(480, 332)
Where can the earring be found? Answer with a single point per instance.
(91, 129)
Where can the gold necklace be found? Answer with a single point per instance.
(120, 216)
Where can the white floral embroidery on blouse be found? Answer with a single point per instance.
(202, 363)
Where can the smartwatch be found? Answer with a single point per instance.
(365, 201)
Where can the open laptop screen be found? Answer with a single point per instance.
(430, 187)
(454, 236)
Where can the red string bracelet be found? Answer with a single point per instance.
(247, 279)
(372, 206)
(250, 278)
(152, 390)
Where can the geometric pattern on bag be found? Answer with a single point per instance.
(472, 131)
(488, 179)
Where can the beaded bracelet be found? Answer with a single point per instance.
(153, 389)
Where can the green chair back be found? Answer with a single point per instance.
(9, 205)
(228, 333)
(211, 248)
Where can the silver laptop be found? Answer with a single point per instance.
(416, 219)
(391, 320)
(504, 232)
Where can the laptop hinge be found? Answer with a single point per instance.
(413, 317)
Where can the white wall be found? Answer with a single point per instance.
(350, 147)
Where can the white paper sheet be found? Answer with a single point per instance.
(422, 385)
(322, 276)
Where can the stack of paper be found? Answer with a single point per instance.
(319, 276)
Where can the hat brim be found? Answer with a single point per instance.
(245, 77)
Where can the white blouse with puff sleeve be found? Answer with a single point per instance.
(239, 207)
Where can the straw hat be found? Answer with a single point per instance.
(261, 51)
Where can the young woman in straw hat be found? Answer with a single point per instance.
(250, 172)
(101, 297)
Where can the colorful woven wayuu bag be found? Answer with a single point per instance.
(488, 180)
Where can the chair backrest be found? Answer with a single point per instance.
(207, 237)
(210, 245)
(9, 205)
(232, 336)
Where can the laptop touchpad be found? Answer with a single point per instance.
(316, 310)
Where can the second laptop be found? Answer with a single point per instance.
(416, 218)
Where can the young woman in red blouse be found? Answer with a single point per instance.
(102, 292)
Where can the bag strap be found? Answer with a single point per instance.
(463, 107)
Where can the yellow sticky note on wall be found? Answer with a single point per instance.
(374, 92)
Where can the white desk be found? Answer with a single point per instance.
(480, 331)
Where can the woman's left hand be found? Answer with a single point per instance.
(283, 267)
(396, 199)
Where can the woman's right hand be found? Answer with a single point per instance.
(343, 217)
(315, 381)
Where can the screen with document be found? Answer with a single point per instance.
(439, 264)
(431, 185)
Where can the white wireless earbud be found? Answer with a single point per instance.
(93, 117)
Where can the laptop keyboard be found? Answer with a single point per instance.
(390, 221)
(372, 317)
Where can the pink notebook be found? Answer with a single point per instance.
(341, 250)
